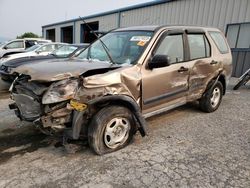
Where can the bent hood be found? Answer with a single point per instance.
(53, 70)
(13, 63)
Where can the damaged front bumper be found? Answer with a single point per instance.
(54, 117)
(35, 102)
(47, 104)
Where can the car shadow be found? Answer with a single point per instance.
(24, 140)
(19, 142)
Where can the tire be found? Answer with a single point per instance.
(212, 98)
(111, 129)
(243, 81)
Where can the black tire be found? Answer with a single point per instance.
(243, 81)
(97, 134)
(207, 104)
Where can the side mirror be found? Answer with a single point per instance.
(159, 61)
(5, 47)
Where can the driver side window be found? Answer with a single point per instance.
(172, 46)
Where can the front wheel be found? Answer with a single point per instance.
(211, 99)
(111, 129)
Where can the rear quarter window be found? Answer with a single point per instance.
(219, 40)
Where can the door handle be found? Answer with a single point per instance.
(183, 69)
(213, 62)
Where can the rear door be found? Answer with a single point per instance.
(205, 67)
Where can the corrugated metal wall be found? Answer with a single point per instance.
(106, 23)
(241, 62)
(215, 13)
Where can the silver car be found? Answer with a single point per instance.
(19, 45)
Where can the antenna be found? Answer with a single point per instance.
(103, 44)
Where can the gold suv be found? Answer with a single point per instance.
(107, 91)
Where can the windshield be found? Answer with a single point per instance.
(124, 47)
(32, 48)
(64, 51)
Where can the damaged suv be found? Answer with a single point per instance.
(129, 74)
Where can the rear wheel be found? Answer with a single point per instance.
(212, 98)
(111, 129)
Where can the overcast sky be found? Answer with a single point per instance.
(19, 16)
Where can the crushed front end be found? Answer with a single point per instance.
(36, 102)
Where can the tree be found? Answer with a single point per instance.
(28, 35)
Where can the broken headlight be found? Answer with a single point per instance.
(60, 91)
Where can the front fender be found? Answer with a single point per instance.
(127, 102)
(107, 100)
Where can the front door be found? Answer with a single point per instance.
(168, 85)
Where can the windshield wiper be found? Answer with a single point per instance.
(103, 44)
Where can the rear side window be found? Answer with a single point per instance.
(219, 41)
(199, 46)
(15, 44)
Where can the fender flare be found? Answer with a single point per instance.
(213, 82)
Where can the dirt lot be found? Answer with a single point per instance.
(185, 148)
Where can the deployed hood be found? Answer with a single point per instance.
(53, 70)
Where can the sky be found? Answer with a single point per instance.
(19, 16)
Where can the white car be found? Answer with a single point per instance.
(19, 45)
(36, 50)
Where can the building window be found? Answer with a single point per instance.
(232, 32)
(244, 36)
(238, 35)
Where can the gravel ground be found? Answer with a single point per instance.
(185, 148)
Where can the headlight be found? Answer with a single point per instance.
(5, 68)
(60, 91)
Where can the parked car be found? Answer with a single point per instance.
(19, 45)
(64, 51)
(70, 50)
(36, 50)
(131, 74)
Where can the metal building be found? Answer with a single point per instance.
(231, 16)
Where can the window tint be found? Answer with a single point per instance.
(172, 45)
(16, 44)
(199, 47)
(219, 41)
